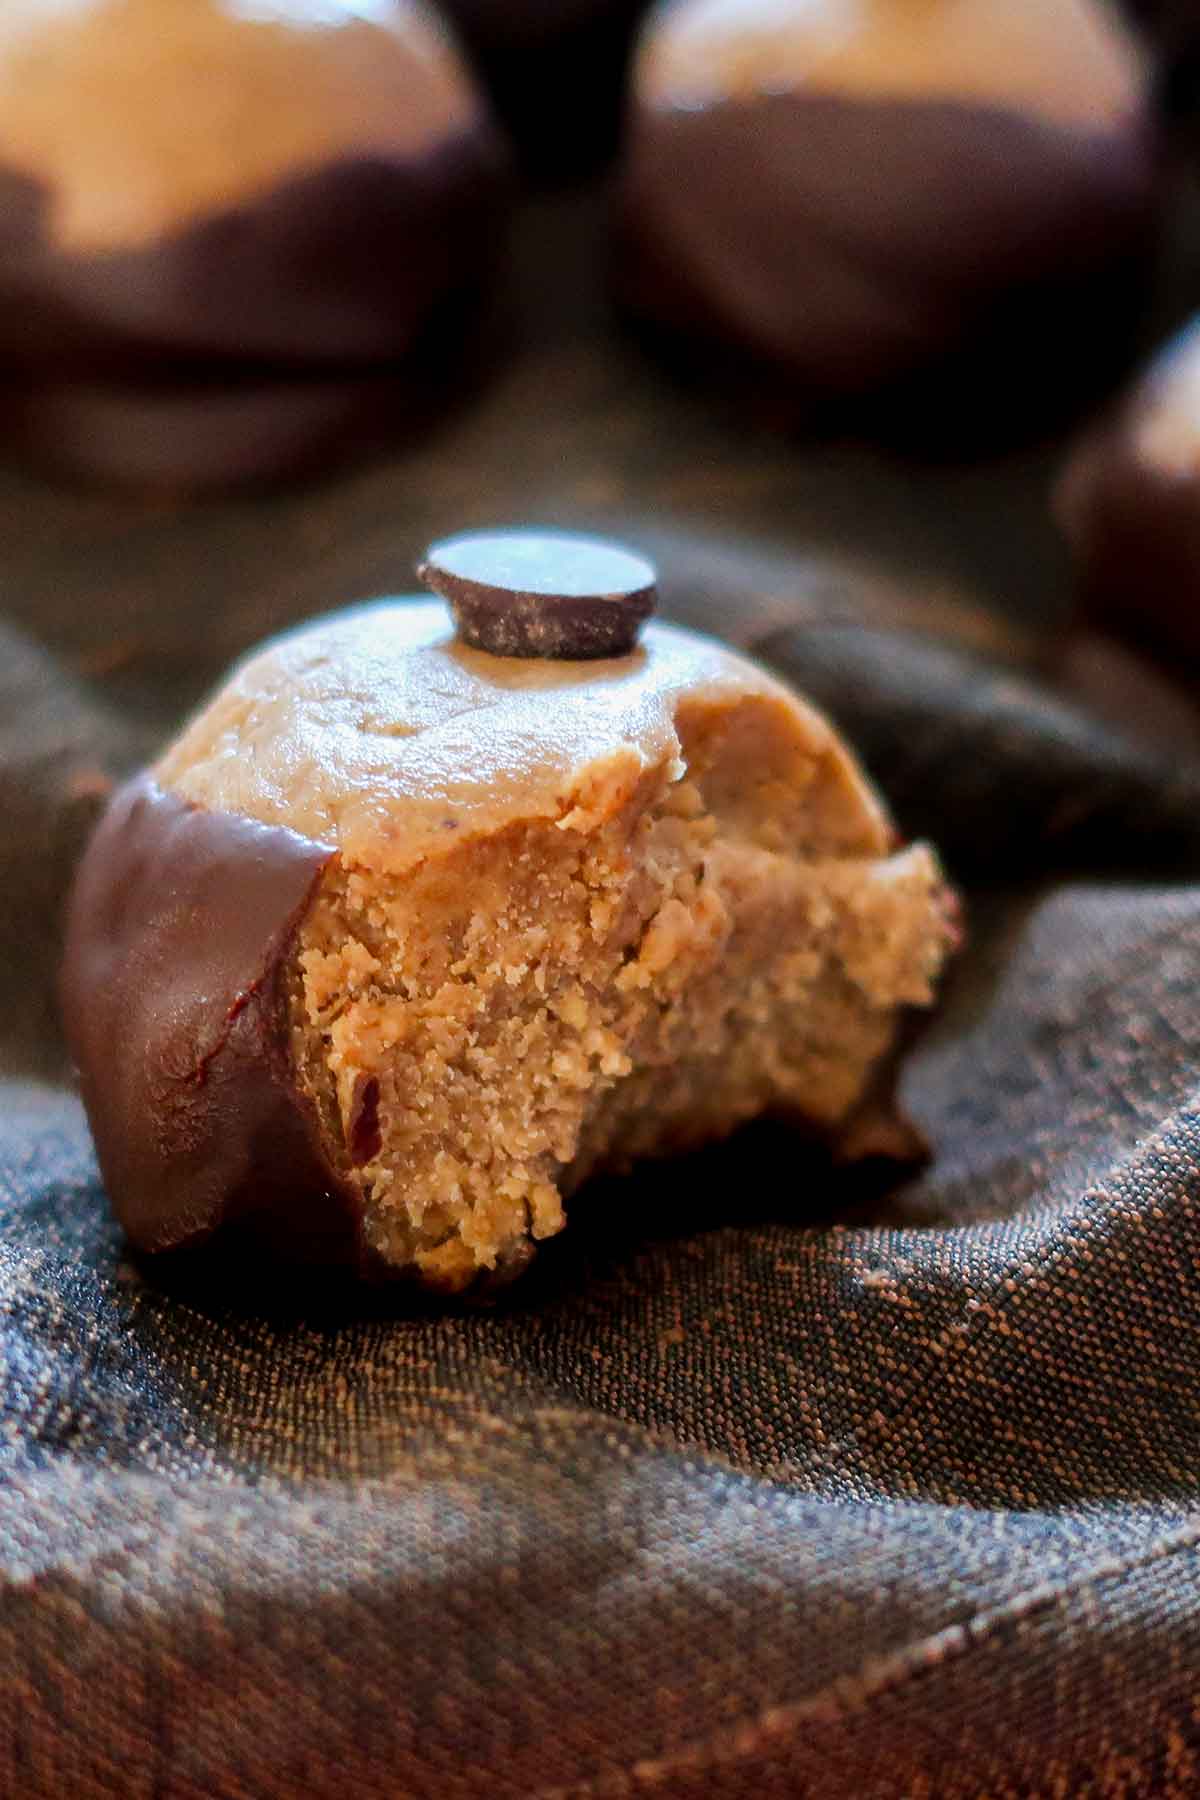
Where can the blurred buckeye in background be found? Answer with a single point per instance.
(853, 192)
(219, 222)
(554, 69)
(1129, 504)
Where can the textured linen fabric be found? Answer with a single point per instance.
(773, 1479)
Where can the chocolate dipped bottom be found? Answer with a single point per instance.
(342, 224)
(320, 271)
(180, 929)
(402, 940)
(923, 194)
(847, 281)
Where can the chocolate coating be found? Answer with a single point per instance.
(544, 594)
(340, 265)
(852, 234)
(1128, 503)
(178, 927)
(332, 267)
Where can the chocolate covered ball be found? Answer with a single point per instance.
(554, 69)
(1128, 503)
(218, 221)
(853, 194)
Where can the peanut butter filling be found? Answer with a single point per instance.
(1070, 62)
(563, 997)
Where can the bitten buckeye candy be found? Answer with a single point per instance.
(402, 940)
(1128, 503)
(221, 224)
(851, 193)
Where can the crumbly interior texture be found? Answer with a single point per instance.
(564, 996)
(574, 913)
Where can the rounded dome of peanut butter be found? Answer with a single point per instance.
(378, 733)
(1067, 61)
(139, 116)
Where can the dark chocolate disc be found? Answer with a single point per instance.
(542, 593)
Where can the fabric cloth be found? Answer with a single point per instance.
(773, 1480)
